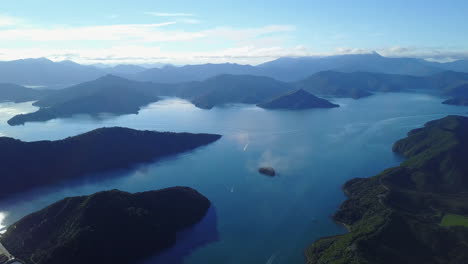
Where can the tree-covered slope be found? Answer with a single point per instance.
(396, 216)
(25, 165)
(106, 227)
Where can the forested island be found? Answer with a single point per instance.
(106, 227)
(413, 213)
(26, 165)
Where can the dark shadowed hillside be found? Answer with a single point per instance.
(25, 165)
(106, 227)
(47, 73)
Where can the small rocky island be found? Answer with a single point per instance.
(269, 171)
(297, 100)
(107, 227)
(413, 213)
(26, 165)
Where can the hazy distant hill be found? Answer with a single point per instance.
(43, 72)
(293, 69)
(225, 89)
(297, 100)
(459, 65)
(188, 73)
(108, 94)
(125, 69)
(361, 84)
(16, 93)
(112, 94)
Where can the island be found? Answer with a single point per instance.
(269, 171)
(108, 94)
(297, 100)
(414, 213)
(27, 165)
(106, 227)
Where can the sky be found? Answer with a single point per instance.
(236, 31)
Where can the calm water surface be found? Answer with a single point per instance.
(256, 219)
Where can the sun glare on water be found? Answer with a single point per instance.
(2, 218)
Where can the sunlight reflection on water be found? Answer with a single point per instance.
(2, 218)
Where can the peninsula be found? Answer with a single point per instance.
(26, 165)
(413, 213)
(106, 227)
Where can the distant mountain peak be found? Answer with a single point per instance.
(40, 60)
(68, 62)
(111, 77)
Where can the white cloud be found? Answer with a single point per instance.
(188, 21)
(440, 54)
(6, 21)
(148, 54)
(136, 33)
(93, 33)
(169, 14)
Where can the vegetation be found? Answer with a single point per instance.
(42, 71)
(297, 100)
(395, 217)
(106, 227)
(25, 165)
(454, 220)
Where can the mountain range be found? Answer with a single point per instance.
(117, 95)
(44, 72)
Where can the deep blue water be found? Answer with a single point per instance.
(254, 219)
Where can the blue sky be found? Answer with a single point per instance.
(148, 31)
